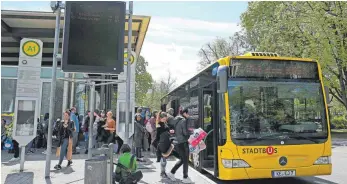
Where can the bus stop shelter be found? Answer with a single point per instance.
(16, 25)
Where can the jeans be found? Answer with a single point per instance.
(63, 150)
(163, 163)
(46, 139)
(138, 151)
(93, 142)
(74, 140)
(183, 151)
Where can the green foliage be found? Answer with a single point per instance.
(303, 29)
(153, 98)
(158, 90)
(339, 122)
(143, 80)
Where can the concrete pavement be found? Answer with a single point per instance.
(35, 164)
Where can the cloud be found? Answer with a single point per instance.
(172, 44)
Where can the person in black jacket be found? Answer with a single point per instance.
(182, 147)
(102, 134)
(164, 144)
(65, 140)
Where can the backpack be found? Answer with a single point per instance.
(8, 145)
(149, 127)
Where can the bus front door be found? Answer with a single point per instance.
(208, 155)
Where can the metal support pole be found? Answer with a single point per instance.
(91, 122)
(65, 94)
(110, 164)
(72, 94)
(22, 159)
(52, 94)
(102, 95)
(127, 100)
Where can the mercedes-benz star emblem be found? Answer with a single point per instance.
(283, 161)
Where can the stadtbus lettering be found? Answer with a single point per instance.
(258, 150)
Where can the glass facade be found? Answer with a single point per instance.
(8, 95)
(9, 84)
(46, 90)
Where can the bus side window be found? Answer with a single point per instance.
(222, 120)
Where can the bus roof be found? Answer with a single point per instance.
(203, 70)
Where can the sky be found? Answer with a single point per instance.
(177, 30)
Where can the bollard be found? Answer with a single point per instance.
(95, 170)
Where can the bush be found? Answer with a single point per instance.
(338, 122)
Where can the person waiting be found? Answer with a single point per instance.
(126, 170)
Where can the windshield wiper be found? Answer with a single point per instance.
(298, 137)
(254, 139)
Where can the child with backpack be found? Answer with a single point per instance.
(126, 170)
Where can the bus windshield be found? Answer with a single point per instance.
(264, 112)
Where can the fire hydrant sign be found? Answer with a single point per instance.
(28, 90)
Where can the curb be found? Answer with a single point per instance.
(201, 175)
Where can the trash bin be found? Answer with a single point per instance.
(95, 170)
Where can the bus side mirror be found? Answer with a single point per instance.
(327, 95)
(222, 79)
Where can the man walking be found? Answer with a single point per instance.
(182, 147)
(74, 118)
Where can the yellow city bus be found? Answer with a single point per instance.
(266, 117)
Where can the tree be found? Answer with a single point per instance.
(221, 47)
(303, 29)
(158, 90)
(143, 80)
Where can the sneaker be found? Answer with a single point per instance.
(163, 175)
(187, 180)
(69, 163)
(171, 176)
(57, 167)
(78, 147)
(14, 159)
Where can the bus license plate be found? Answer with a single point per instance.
(280, 174)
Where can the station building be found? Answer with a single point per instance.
(16, 25)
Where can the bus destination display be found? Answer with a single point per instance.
(273, 69)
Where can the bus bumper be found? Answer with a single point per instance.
(251, 173)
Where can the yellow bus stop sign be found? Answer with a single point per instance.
(132, 58)
(31, 48)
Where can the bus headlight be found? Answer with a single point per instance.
(323, 160)
(234, 163)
